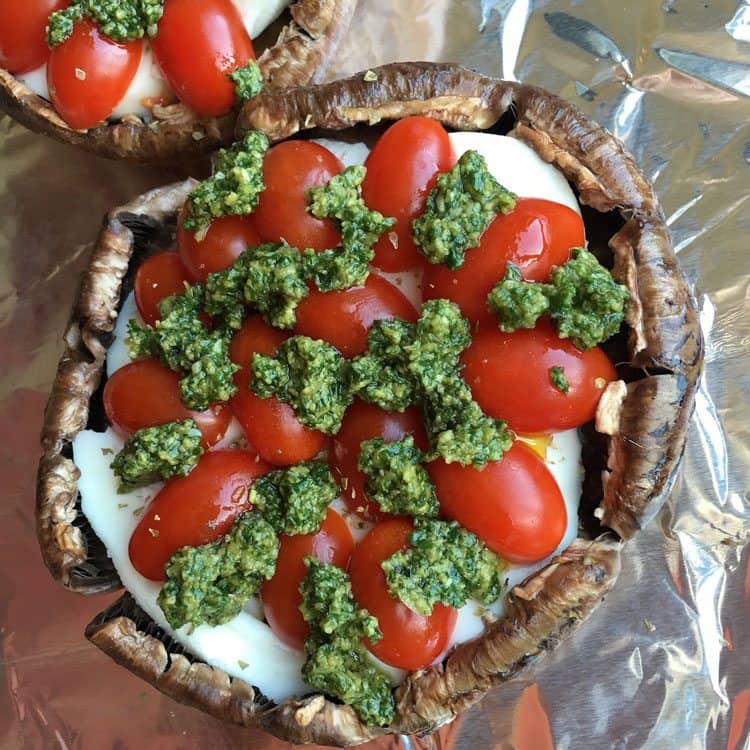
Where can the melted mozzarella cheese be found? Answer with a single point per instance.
(246, 647)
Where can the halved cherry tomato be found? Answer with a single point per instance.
(343, 318)
(145, 393)
(193, 510)
(536, 235)
(401, 171)
(361, 422)
(514, 505)
(226, 239)
(199, 42)
(23, 45)
(270, 425)
(509, 376)
(88, 74)
(159, 276)
(332, 543)
(410, 640)
(290, 169)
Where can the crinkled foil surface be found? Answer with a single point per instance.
(665, 663)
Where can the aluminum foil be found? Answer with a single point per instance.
(665, 663)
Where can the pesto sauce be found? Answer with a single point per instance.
(558, 379)
(396, 480)
(517, 303)
(211, 584)
(309, 375)
(458, 210)
(161, 452)
(248, 81)
(443, 564)
(295, 500)
(337, 662)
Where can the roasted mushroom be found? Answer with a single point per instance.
(631, 457)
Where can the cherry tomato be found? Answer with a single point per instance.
(343, 318)
(159, 276)
(145, 393)
(88, 74)
(270, 425)
(193, 510)
(361, 422)
(290, 169)
(199, 42)
(23, 43)
(332, 543)
(401, 171)
(226, 239)
(536, 235)
(410, 640)
(514, 505)
(509, 376)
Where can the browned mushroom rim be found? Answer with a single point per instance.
(630, 459)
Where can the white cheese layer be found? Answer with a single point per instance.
(246, 647)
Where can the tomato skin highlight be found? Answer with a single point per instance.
(23, 43)
(514, 505)
(199, 42)
(195, 509)
(270, 425)
(159, 276)
(410, 640)
(530, 403)
(401, 171)
(361, 422)
(88, 74)
(343, 318)
(535, 236)
(280, 595)
(145, 394)
(226, 239)
(290, 169)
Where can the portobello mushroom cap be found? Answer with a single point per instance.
(631, 456)
(301, 55)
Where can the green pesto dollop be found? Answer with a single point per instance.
(248, 81)
(120, 20)
(582, 299)
(396, 480)
(212, 583)
(443, 564)
(154, 453)
(233, 188)
(337, 662)
(309, 375)
(295, 500)
(558, 379)
(360, 227)
(459, 208)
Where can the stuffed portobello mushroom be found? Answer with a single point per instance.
(375, 364)
(157, 80)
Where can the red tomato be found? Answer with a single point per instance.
(290, 169)
(199, 42)
(536, 235)
(343, 318)
(509, 376)
(410, 640)
(332, 543)
(514, 505)
(361, 422)
(270, 425)
(145, 394)
(159, 276)
(23, 44)
(401, 171)
(193, 510)
(227, 238)
(88, 74)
